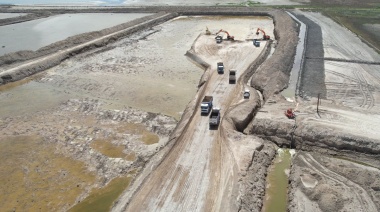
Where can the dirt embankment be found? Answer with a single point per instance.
(62, 50)
(252, 179)
(273, 75)
(23, 18)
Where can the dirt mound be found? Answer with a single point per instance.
(252, 186)
(242, 114)
(273, 75)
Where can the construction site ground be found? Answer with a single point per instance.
(130, 110)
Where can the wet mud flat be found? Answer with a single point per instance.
(87, 149)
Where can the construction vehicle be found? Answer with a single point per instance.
(220, 68)
(206, 105)
(219, 39)
(214, 118)
(256, 43)
(208, 31)
(290, 114)
(229, 37)
(265, 37)
(232, 78)
(246, 94)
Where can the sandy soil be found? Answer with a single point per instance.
(196, 178)
(333, 184)
(341, 43)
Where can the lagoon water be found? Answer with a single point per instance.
(35, 34)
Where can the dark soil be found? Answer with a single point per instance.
(313, 73)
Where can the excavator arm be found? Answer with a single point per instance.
(229, 37)
(265, 37)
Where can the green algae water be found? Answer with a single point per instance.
(102, 199)
(276, 196)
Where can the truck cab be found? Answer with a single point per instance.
(256, 43)
(220, 68)
(232, 78)
(206, 105)
(214, 118)
(246, 94)
(219, 39)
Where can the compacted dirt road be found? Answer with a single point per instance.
(200, 171)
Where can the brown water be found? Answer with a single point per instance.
(276, 195)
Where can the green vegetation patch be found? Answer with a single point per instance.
(102, 199)
(147, 137)
(108, 149)
(34, 178)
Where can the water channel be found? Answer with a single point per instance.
(276, 197)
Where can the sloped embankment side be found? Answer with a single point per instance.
(70, 47)
(273, 75)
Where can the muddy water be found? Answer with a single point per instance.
(291, 91)
(32, 35)
(276, 198)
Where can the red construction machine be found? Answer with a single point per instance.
(265, 37)
(229, 37)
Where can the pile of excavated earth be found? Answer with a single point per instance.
(192, 168)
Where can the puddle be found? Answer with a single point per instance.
(102, 199)
(30, 173)
(276, 197)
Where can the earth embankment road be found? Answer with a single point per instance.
(199, 173)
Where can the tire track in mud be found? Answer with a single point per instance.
(362, 85)
(361, 194)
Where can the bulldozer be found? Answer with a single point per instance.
(265, 36)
